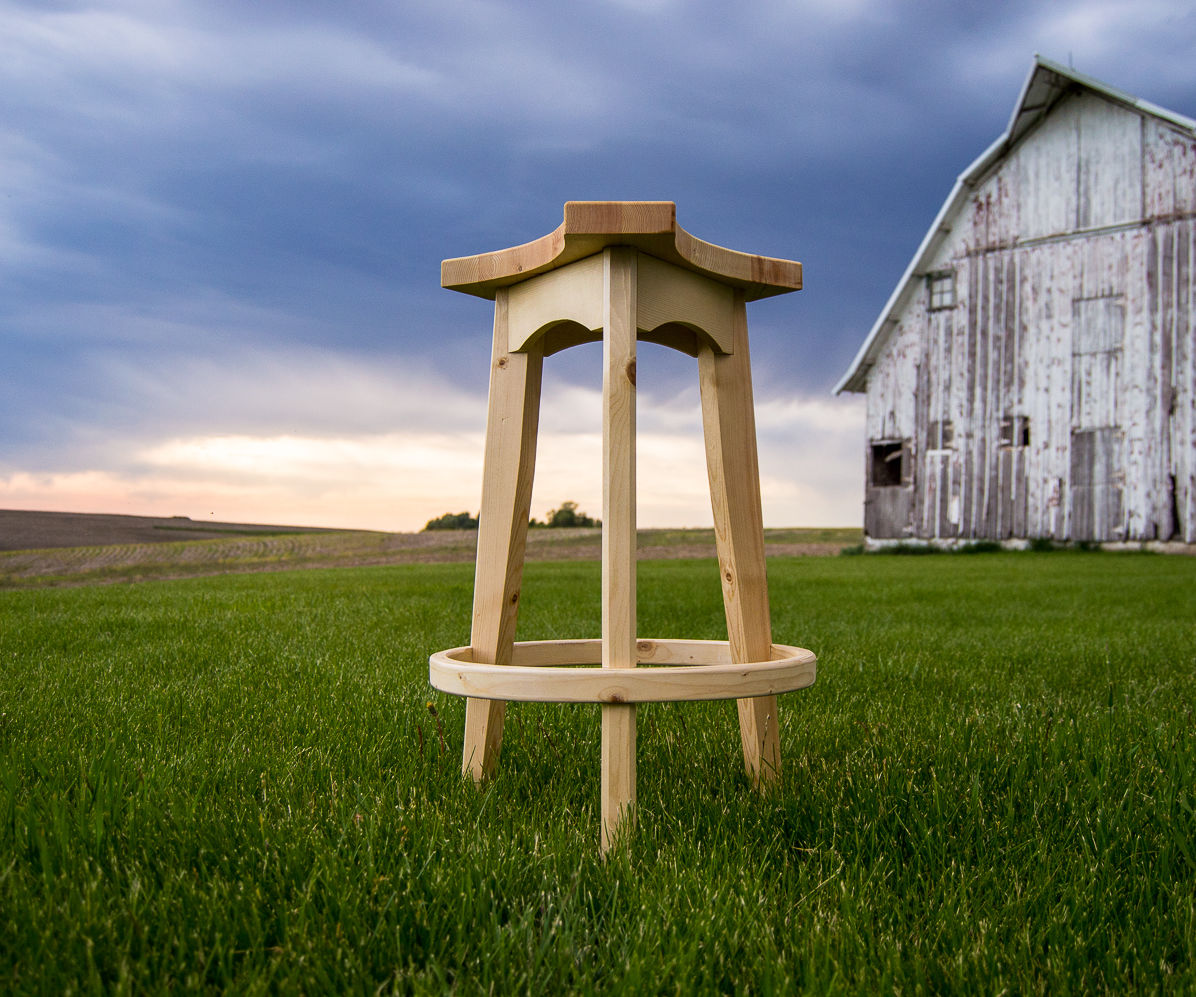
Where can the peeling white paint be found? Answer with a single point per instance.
(1066, 366)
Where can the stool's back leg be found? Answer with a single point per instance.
(729, 423)
(618, 533)
(510, 459)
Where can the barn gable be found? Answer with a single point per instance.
(1032, 373)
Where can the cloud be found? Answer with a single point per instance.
(221, 222)
(147, 55)
(405, 460)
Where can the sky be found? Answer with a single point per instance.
(221, 226)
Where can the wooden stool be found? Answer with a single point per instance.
(618, 271)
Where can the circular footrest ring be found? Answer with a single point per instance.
(554, 671)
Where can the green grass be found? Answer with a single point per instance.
(236, 783)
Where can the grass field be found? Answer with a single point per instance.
(238, 782)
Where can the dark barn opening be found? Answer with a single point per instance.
(888, 461)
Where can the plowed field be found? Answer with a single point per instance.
(231, 547)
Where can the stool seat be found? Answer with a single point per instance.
(590, 226)
(621, 272)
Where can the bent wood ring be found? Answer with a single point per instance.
(547, 671)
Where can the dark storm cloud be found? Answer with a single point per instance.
(202, 187)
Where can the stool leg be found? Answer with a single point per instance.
(618, 534)
(510, 459)
(729, 422)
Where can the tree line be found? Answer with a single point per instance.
(565, 515)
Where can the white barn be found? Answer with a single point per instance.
(1033, 373)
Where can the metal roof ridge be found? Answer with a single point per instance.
(1113, 93)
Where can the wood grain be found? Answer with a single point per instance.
(729, 423)
(622, 271)
(591, 226)
(509, 465)
(672, 671)
(674, 307)
(618, 531)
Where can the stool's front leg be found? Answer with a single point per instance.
(510, 459)
(618, 533)
(729, 423)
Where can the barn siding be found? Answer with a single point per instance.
(1109, 164)
(1046, 175)
(1169, 171)
(1075, 311)
(1186, 423)
(1171, 412)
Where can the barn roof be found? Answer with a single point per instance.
(1046, 85)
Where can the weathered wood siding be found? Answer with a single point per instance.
(1066, 370)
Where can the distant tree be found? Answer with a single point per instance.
(453, 521)
(567, 515)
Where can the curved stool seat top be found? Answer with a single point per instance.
(591, 226)
(545, 671)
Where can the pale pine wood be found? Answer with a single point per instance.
(618, 774)
(509, 464)
(729, 423)
(618, 532)
(571, 294)
(620, 270)
(677, 671)
(672, 294)
(591, 226)
(674, 307)
(669, 653)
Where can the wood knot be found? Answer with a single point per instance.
(631, 372)
(503, 361)
(514, 598)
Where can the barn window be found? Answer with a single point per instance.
(1015, 431)
(942, 289)
(888, 464)
(941, 435)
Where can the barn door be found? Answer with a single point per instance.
(940, 501)
(1096, 484)
(1097, 478)
(888, 500)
